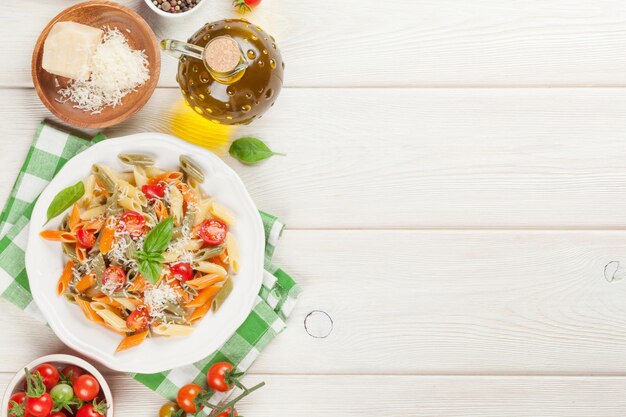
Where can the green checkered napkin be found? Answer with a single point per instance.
(50, 150)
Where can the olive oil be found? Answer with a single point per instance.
(230, 71)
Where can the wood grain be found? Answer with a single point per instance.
(437, 302)
(414, 396)
(98, 14)
(428, 43)
(437, 158)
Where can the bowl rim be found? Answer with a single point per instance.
(174, 15)
(63, 359)
(151, 83)
(59, 326)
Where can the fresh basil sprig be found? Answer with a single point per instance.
(250, 150)
(155, 243)
(64, 199)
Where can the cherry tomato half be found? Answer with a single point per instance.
(134, 223)
(153, 190)
(114, 274)
(39, 407)
(213, 231)
(49, 375)
(186, 396)
(226, 413)
(88, 410)
(75, 372)
(86, 239)
(216, 377)
(138, 320)
(86, 387)
(182, 271)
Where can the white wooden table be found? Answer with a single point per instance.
(455, 185)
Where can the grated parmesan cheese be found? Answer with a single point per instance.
(117, 70)
(158, 298)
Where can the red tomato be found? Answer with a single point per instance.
(134, 223)
(49, 375)
(39, 407)
(253, 3)
(86, 239)
(217, 376)
(153, 190)
(19, 398)
(139, 320)
(182, 271)
(213, 231)
(75, 370)
(57, 414)
(116, 275)
(88, 410)
(226, 413)
(86, 387)
(186, 396)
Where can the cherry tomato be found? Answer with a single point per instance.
(116, 275)
(57, 414)
(226, 413)
(134, 223)
(138, 320)
(86, 387)
(88, 410)
(182, 271)
(213, 231)
(216, 377)
(153, 190)
(39, 407)
(86, 239)
(253, 3)
(19, 398)
(49, 374)
(75, 372)
(186, 396)
(168, 409)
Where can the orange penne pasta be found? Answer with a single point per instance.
(105, 299)
(201, 311)
(81, 253)
(85, 282)
(65, 278)
(160, 210)
(58, 236)
(74, 218)
(188, 195)
(88, 311)
(108, 233)
(166, 177)
(131, 341)
(205, 281)
(93, 225)
(204, 296)
(139, 284)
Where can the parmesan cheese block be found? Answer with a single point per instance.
(69, 48)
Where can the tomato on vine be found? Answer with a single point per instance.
(246, 5)
(38, 402)
(95, 409)
(49, 375)
(222, 378)
(86, 387)
(186, 397)
(16, 405)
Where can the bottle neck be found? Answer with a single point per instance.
(224, 59)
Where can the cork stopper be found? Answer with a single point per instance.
(222, 54)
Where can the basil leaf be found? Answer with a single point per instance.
(150, 270)
(159, 237)
(141, 255)
(250, 150)
(64, 199)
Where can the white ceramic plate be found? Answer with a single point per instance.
(45, 261)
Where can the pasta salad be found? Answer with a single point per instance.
(148, 252)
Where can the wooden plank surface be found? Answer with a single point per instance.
(407, 43)
(435, 158)
(411, 396)
(437, 302)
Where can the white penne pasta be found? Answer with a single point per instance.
(211, 268)
(130, 204)
(191, 245)
(88, 197)
(112, 319)
(203, 211)
(93, 212)
(98, 306)
(153, 171)
(139, 173)
(232, 248)
(172, 256)
(129, 190)
(126, 303)
(172, 330)
(176, 205)
(222, 213)
(125, 176)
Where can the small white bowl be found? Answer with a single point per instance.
(58, 361)
(169, 15)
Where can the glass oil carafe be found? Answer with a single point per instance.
(229, 71)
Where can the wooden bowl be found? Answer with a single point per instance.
(98, 14)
